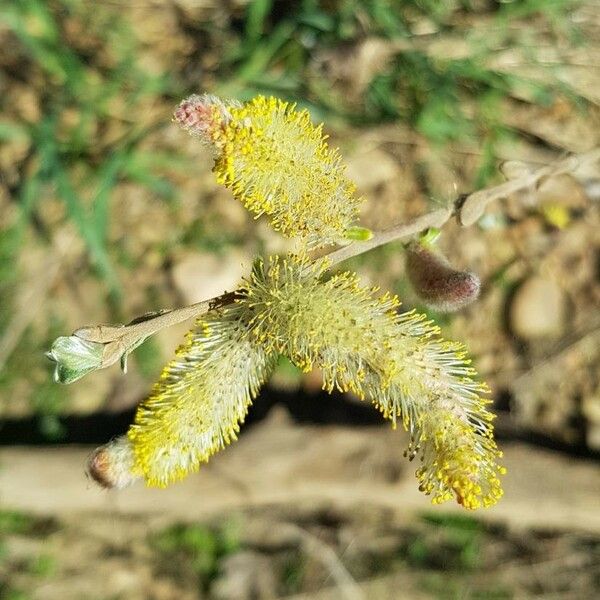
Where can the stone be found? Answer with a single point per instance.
(538, 310)
(371, 169)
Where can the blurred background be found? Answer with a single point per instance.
(108, 210)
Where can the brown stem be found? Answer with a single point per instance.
(475, 204)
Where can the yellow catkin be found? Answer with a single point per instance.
(398, 361)
(278, 163)
(201, 398)
(275, 161)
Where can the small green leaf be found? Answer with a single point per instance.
(430, 236)
(359, 234)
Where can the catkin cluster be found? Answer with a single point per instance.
(360, 344)
(277, 163)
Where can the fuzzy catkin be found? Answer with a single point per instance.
(277, 163)
(398, 361)
(359, 342)
(201, 398)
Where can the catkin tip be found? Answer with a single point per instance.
(111, 465)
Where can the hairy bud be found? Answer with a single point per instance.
(111, 465)
(439, 285)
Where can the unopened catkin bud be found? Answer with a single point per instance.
(111, 465)
(437, 283)
(74, 357)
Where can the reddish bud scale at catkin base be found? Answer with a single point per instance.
(437, 282)
(191, 115)
(202, 115)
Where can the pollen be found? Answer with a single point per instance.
(458, 461)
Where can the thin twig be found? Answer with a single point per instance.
(321, 551)
(435, 218)
(119, 340)
(476, 203)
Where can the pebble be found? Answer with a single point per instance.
(538, 310)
